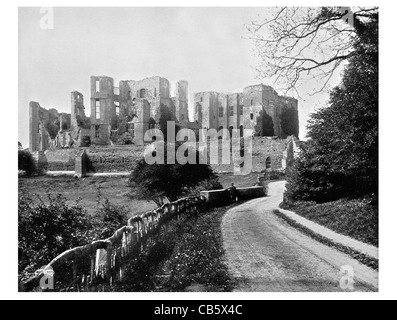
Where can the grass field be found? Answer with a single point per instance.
(114, 188)
(86, 191)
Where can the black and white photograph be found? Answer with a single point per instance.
(198, 150)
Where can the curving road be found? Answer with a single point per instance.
(268, 255)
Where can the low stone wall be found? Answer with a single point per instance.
(61, 160)
(113, 159)
(222, 197)
(216, 197)
(96, 160)
(251, 193)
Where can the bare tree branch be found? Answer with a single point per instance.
(295, 45)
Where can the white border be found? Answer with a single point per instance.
(388, 117)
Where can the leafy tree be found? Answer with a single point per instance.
(26, 162)
(290, 122)
(340, 159)
(52, 128)
(47, 230)
(264, 127)
(162, 182)
(165, 116)
(125, 138)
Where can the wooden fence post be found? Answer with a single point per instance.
(109, 258)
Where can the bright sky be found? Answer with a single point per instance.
(205, 46)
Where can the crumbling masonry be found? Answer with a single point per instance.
(121, 115)
(258, 107)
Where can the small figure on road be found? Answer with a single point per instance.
(259, 181)
(233, 193)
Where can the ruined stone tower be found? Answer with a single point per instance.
(77, 109)
(258, 107)
(181, 102)
(104, 98)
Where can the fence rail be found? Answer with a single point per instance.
(101, 263)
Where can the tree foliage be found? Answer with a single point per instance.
(48, 228)
(52, 128)
(265, 126)
(290, 122)
(169, 182)
(340, 158)
(165, 117)
(26, 162)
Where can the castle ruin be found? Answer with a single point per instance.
(120, 116)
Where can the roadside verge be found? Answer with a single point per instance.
(365, 253)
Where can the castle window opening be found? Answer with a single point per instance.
(97, 86)
(220, 112)
(97, 109)
(117, 104)
(252, 116)
(241, 110)
(143, 93)
(268, 163)
(131, 128)
(231, 111)
(97, 131)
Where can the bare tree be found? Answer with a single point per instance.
(302, 44)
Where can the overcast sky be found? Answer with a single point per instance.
(205, 46)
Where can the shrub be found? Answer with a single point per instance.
(125, 139)
(109, 218)
(47, 230)
(52, 128)
(157, 182)
(26, 162)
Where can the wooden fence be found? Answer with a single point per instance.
(100, 264)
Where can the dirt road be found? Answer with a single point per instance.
(268, 255)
